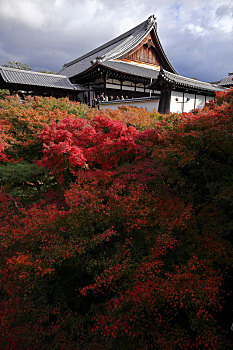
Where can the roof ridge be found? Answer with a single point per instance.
(33, 72)
(103, 46)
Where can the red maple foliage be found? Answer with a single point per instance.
(120, 238)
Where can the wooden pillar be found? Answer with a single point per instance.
(182, 109)
(164, 103)
(89, 98)
(104, 85)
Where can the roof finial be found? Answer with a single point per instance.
(151, 21)
(98, 59)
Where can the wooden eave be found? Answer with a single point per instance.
(165, 84)
(99, 69)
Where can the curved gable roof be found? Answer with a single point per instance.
(116, 48)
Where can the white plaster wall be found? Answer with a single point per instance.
(176, 106)
(113, 86)
(149, 105)
(200, 101)
(86, 95)
(126, 87)
(91, 95)
(189, 105)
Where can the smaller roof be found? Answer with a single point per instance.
(227, 81)
(23, 77)
(183, 82)
(132, 69)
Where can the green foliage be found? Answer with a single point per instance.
(48, 72)
(61, 105)
(17, 65)
(4, 93)
(19, 172)
(25, 180)
(23, 66)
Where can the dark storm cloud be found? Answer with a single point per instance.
(47, 33)
(224, 10)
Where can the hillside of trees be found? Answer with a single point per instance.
(116, 227)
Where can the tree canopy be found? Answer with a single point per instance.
(17, 65)
(116, 226)
(23, 66)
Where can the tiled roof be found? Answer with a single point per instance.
(227, 81)
(133, 69)
(23, 77)
(180, 81)
(115, 48)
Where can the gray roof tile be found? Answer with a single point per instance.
(227, 81)
(23, 77)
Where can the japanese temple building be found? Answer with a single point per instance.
(134, 65)
(131, 69)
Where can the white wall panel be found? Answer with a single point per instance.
(200, 101)
(188, 105)
(176, 106)
(113, 86)
(126, 87)
(149, 105)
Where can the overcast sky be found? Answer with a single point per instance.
(197, 35)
